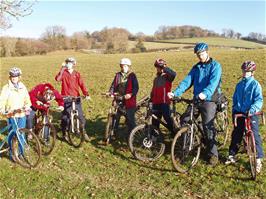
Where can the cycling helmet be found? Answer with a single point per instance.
(159, 63)
(48, 94)
(125, 61)
(15, 72)
(200, 47)
(71, 59)
(248, 66)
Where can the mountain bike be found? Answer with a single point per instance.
(249, 140)
(75, 130)
(25, 146)
(186, 145)
(45, 130)
(146, 142)
(118, 107)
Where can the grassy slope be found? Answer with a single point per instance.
(101, 172)
(219, 41)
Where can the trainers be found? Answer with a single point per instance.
(230, 160)
(213, 160)
(259, 165)
(86, 137)
(66, 138)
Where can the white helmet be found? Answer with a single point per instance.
(72, 60)
(125, 61)
(15, 72)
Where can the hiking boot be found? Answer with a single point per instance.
(213, 160)
(259, 165)
(230, 160)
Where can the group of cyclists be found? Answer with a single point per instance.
(204, 76)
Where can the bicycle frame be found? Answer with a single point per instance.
(17, 133)
(247, 118)
(150, 115)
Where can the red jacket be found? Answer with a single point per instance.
(162, 84)
(71, 82)
(36, 94)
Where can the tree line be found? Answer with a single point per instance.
(107, 40)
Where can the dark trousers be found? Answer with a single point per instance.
(237, 136)
(65, 118)
(207, 111)
(130, 119)
(163, 110)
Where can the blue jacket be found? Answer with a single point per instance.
(205, 77)
(248, 96)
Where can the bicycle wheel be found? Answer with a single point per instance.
(146, 143)
(47, 136)
(176, 120)
(221, 123)
(108, 129)
(26, 148)
(185, 151)
(251, 150)
(140, 115)
(76, 133)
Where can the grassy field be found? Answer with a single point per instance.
(218, 41)
(96, 171)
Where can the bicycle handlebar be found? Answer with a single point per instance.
(13, 112)
(116, 96)
(74, 97)
(238, 115)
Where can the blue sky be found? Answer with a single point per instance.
(141, 16)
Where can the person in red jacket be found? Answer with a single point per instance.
(125, 83)
(71, 82)
(162, 84)
(41, 97)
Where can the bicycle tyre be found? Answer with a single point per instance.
(251, 150)
(76, 138)
(150, 146)
(47, 146)
(222, 131)
(182, 159)
(108, 130)
(31, 154)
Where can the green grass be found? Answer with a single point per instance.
(95, 171)
(218, 41)
(155, 45)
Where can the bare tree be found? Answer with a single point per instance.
(115, 39)
(55, 37)
(13, 9)
(81, 40)
(8, 46)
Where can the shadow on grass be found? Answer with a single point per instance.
(238, 171)
(120, 147)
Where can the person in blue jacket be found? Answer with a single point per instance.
(247, 99)
(205, 76)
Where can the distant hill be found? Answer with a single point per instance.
(215, 41)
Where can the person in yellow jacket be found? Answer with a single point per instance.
(14, 95)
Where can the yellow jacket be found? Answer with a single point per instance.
(12, 98)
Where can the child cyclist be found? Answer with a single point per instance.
(14, 96)
(71, 83)
(247, 99)
(41, 97)
(162, 84)
(126, 84)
